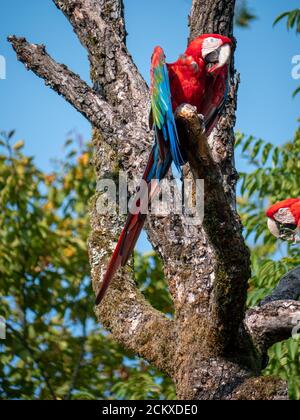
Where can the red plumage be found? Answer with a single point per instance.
(192, 82)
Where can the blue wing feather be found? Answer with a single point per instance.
(161, 102)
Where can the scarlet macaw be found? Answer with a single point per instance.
(284, 219)
(199, 78)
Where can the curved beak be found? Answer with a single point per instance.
(217, 58)
(273, 228)
(225, 54)
(286, 232)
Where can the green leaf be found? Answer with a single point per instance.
(293, 19)
(248, 143)
(10, 134)
(243, 15)
(295, 93)
(275, 157)
(266, 153)
(280, 17)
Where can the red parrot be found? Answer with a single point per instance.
(200, 77)
(284, 219)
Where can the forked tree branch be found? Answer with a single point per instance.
(278, 314)
(136, 315)
(222, 227)
(100, 27)
(66, 83)
(137, 326)
(82, 97)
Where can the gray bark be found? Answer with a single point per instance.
(212, 349)
(273, 322)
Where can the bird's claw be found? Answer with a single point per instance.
(201, 118)
(202, 121)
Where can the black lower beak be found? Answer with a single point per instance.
(213, 57)
(288, 231)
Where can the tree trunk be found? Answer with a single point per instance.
(213, 348)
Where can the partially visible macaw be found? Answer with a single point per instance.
(199, 78)
(284, 219)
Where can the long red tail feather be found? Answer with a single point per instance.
(127, 240)
(124, 248)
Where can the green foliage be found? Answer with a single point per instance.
(295, 93)
(274, 176)
(292, 22)
(292, 19)
(54, 349)
(243, 15)
(285, 363)
(144, 384)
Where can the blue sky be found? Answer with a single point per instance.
(43, 119)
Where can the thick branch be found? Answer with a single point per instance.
(91, 19)
(139, 327)
(212, 16)
(273, 322)
(262, 388)
(287, 289)
(100, 28)
(278, 314)
(65, 83)
(223, 228)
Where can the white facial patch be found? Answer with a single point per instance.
(224, 56)
(209, 45)
(284, 216)
(273, 228)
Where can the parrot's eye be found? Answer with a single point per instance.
(210, 43)
(211, 40)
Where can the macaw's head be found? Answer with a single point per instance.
(284, 219)
(214, 49)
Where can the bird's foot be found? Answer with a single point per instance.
(185, 109)
(201, 118)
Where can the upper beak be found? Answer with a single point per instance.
(218, 57)
(224, 55)
(281, 231)
(273, 228)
